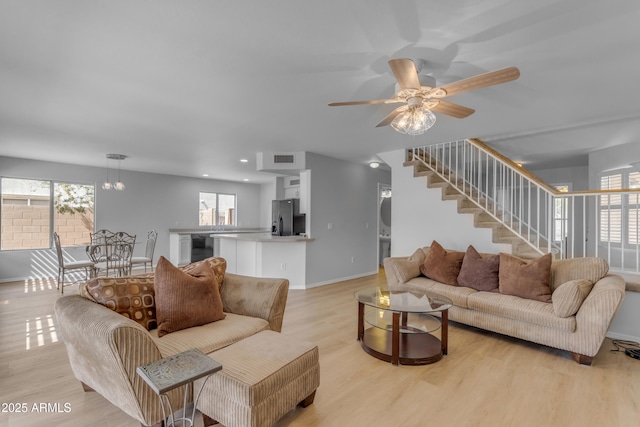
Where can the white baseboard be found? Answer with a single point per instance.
(329, 282)
(624, 337)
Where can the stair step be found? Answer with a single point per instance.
(482, 219)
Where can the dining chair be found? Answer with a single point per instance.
(152, 236)
(118, 253)
(64, 266)
(96, 250)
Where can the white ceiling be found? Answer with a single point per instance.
(190, 87)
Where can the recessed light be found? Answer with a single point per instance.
(374, 165)
(243, 160)
(205, 174)
(246, 179)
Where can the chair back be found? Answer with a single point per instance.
(100, 236)
(119, 250)
(56, 241)
(152, 236)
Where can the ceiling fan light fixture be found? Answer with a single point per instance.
(414, 121)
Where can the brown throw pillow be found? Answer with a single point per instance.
(524, 279)
(185, 299)
(479, 273)
(441, 265)
(132, 297)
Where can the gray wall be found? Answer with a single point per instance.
(344, 194)
(150, 201)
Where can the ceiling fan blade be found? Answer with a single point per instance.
(451, 109)
(405, 72)
(374, 101)
(392, 116)
(477, 82)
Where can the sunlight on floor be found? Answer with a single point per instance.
(39, 284)
(38, 330)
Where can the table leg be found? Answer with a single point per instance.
(360, 321)
(444, 336)
(404, 319)
(395, 339)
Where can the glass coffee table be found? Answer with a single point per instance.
(401, 325)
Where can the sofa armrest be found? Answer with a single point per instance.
(597, 312)
(104, 350)
(264, 298)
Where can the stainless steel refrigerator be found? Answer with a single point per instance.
(286, 219)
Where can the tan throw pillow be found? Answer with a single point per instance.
(184, 300)
(525, 279)
(407, 269)
(479, 273)
(568, 297)
(442, 265)
(132, 297)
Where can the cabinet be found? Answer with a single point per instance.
(184, 249)
(179, 248)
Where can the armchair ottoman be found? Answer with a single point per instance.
(263, 377)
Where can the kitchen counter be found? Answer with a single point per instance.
(262, 237)
(208, 230)
(264, 255)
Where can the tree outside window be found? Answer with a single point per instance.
(32, 209)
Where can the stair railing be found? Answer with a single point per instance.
(544, 218)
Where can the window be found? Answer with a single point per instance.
(217, 209)
(32, 209)
(619, 212)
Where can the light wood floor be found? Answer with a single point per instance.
(486, 380)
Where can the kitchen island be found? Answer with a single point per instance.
(264, 255)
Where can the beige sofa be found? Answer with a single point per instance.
(581, 334)
(105, 347)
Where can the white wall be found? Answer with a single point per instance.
(150, 201)
(578, 176)
(345, 195)
(419, 215)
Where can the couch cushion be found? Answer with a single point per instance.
(185, 299)
(479, 272)
(522, 309)
(568, 297)
(457, 294)
(590, 268)
(210, 337)
(132, 297)
(442, 265)
(526, 279)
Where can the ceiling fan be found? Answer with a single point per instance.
(421, 99)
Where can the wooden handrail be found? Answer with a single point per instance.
(540, 182)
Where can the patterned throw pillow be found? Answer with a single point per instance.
(132, 297)
(186, 299)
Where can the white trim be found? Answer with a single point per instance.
(332, 281)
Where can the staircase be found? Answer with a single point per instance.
(481, 219)
(528, 214)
